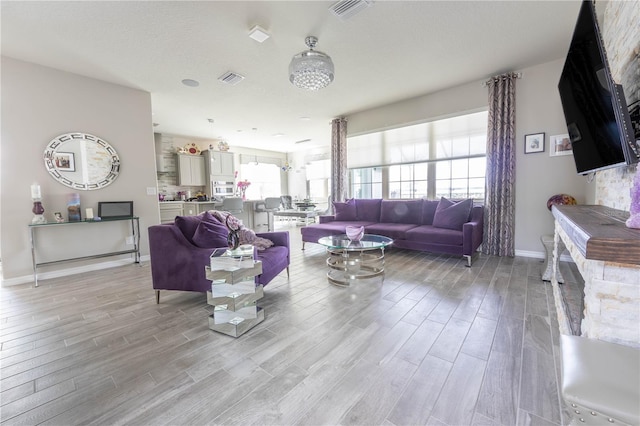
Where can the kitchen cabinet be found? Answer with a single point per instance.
(191, 171)
(196, 207)
(169, 210)
(221, 166)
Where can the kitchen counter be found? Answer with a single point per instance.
(258, 221)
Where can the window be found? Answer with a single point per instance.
(264, 178)
(444, 158)
(318, 179)
(366, 183)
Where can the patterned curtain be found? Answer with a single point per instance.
(501, 160)
(339, 176)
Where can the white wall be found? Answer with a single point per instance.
(538, 109)
(40, 103)
(539, 176)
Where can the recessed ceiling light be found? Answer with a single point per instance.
(190, 83)
(305, 118)
(277, 135)
(258, 33)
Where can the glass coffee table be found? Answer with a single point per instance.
(351, 260)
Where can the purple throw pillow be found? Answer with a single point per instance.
(452, 215)
(345, 211)
(210, 234)
(368, 210)
(188, 225)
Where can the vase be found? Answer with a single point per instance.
(38, 210)
(354, 233)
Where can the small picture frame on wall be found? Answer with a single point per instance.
(64, 161)
(560, 145)
(534, 143)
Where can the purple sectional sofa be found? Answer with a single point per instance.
(180, 251)
(435, 226)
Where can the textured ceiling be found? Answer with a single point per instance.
(391, 51)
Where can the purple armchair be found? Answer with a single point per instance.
(177, 263)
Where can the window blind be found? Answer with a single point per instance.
(453, 137)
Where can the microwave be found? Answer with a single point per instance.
(223, 189)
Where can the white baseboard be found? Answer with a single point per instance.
(69, 271)
(541, 255)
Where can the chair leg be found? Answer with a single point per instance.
(287, 272)
(303, 245)
(470, 259)
(157, 297)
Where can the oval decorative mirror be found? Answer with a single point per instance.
(82, 161)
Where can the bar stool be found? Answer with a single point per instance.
(268, 206)
(233, 205)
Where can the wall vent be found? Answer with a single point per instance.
(231, 78)
(346, 9)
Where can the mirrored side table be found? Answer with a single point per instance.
(234, 294)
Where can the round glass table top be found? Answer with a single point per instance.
(368, 242)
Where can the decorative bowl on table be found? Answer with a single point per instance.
(354, 233)
(561, 200)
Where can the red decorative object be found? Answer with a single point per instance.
(561, 199)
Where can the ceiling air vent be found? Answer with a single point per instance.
(303, 141)
(231, 78)
(345, 9)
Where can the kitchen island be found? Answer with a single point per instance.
(252, 219)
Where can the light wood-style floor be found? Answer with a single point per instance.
(434, 343)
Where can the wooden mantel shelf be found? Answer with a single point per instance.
(600, 233)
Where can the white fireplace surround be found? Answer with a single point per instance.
(611, 297)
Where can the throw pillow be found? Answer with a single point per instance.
(210, 234)
(188, 225)
(345, 211)
(368, 210)
(452, 215)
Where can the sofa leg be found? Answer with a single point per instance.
(303, 245)
(157, 297)
(470, 259)
(287, 272)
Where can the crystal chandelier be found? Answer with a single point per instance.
(311, 70)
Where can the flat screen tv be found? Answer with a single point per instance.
(594, 106)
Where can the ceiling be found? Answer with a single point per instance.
(390, 51)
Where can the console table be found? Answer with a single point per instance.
(135, 229)
(607, 254)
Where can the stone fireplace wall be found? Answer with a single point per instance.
(621, 36)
